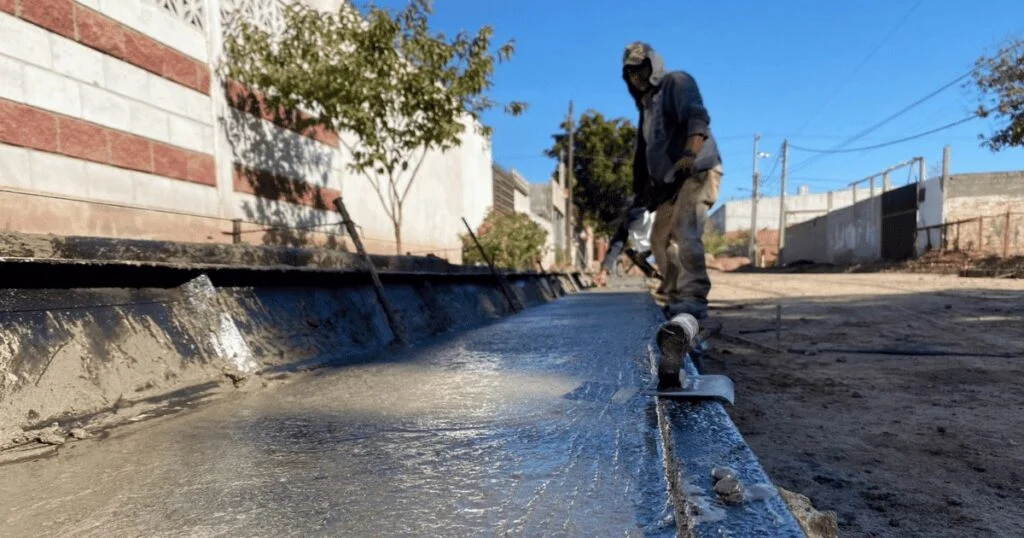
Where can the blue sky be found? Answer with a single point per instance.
(815, 71)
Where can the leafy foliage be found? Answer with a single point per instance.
(603, 163)
(512, 241)
(717, 244)
(382, 76)
(1000, 80)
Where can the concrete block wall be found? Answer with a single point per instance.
(990, 195)
(855, 232)
(849, 235)
(808, 241)
(734, 215)
(930, 213)
(113, 123)
(973, 195)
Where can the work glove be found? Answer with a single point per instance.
(684, 166)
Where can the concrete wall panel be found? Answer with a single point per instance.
(808, 241)
(855, 233)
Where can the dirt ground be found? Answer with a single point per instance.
(897, 443)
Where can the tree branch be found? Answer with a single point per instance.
(375, 183)
(415, 172)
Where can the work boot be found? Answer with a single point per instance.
(693, 307)
(675, 339)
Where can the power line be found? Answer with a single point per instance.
(766, 182)
(891, 142)
(875, 127)
(905, 109)
(861, 66)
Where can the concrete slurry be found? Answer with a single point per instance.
(534, 425)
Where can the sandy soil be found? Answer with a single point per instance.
(895, 444)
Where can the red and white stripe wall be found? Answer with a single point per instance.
(112, 122)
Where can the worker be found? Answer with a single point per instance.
(677, 171)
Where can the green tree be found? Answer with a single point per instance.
(603, 162)
(1000, 81)
(512, 241)
(380, 75)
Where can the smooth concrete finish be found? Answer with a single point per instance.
(532, 426)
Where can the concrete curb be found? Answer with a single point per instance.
(699, 437)
(92, 343)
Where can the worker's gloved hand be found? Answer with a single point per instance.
(684, 166)
(666, 190)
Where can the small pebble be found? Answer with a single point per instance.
(730, 490)
(51, 436)
(979, 468)
(721, 473)
(940, 429)
(841, 359)
(79, 433)
(954, 501)
(857, 394)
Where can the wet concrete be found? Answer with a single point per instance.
(534, 425)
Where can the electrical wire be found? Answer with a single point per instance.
(905, 109)
(835, 149)
(863, 63)
(891, 142)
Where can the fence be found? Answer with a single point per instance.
(994, 235)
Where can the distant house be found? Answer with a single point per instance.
(734, 215)
(514, 194)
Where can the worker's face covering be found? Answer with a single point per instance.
(639, 76)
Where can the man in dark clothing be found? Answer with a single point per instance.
(676, 174)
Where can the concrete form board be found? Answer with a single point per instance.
(66, 357)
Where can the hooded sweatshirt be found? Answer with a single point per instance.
(674, 113)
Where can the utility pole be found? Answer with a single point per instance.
(922, 172)
(945, 168)
(753, 207)
(782, 199)
(570, 239)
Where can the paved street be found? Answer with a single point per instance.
(530, 426)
